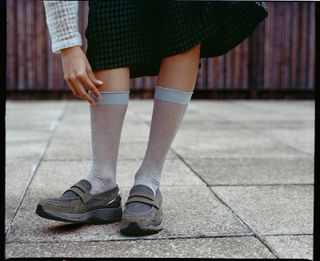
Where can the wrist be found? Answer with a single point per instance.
(69, 49)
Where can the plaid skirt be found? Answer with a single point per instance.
(139, 33)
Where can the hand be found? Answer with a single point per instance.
(78, 73)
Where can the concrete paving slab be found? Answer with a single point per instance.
(38, 124)
(31, 151)
(271, 210)
(134, 132)
(9, 215)
(131, 132)
(14, 137)
(246, 171)
(45, 104)
(35, 115)
(228, 143)
(238, 141)
(26, 144)
(144, 110)
(58, 175)
(226, 247)
(188, 123)
(71, 129)
(79, 149)
(208, 126)
(260, 125)
(238, 112)
(79, 112)
(302, 140)
(195, 206)
(34, 109)
(76, 110)
(296, 107)
(18, 174)
(300, 246)
(26, 137)
(29, 126)
(278, 103)
(216, 109)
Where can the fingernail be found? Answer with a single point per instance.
(100, 82)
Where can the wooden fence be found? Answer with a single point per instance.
(279, 55)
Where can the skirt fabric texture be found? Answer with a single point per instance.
(139, 33)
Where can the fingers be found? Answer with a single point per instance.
(83, 93)
(92, 76)
(77, 83)
(73, 89)
(69, 81)
(78, 90)
(87, 82)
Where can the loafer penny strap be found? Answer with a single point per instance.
(81, 191)
(137, 197)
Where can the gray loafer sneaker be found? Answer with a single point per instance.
(142, 223)
(83, 207)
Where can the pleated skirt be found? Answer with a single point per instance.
(140, 33)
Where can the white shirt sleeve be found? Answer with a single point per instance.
(62, 22)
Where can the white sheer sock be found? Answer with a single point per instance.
(168, 111)
(106, 125)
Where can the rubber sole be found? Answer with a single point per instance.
(97, 216)
(134, 229)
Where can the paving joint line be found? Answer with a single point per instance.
(154, 239)
(247, 225)
(172, 238)
(36, 166)
(262, 185)
(201, 178)
(226, 205)
(292, 234)
(138, 239)
(253, 131)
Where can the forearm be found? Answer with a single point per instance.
(62, 22)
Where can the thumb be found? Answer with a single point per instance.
(93, 78)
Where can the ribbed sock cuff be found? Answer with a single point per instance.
(121, 97)
(172, 95)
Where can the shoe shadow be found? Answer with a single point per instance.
(67, 228)
(71, 227)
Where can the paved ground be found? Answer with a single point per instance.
(241, 170)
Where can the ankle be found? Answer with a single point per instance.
(147, 182)
(100, 185)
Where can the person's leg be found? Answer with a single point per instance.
(173, 91)
(106, 126)
(99, 188)
(106, 120)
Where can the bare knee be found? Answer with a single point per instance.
(180, 71)
(114, 80)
